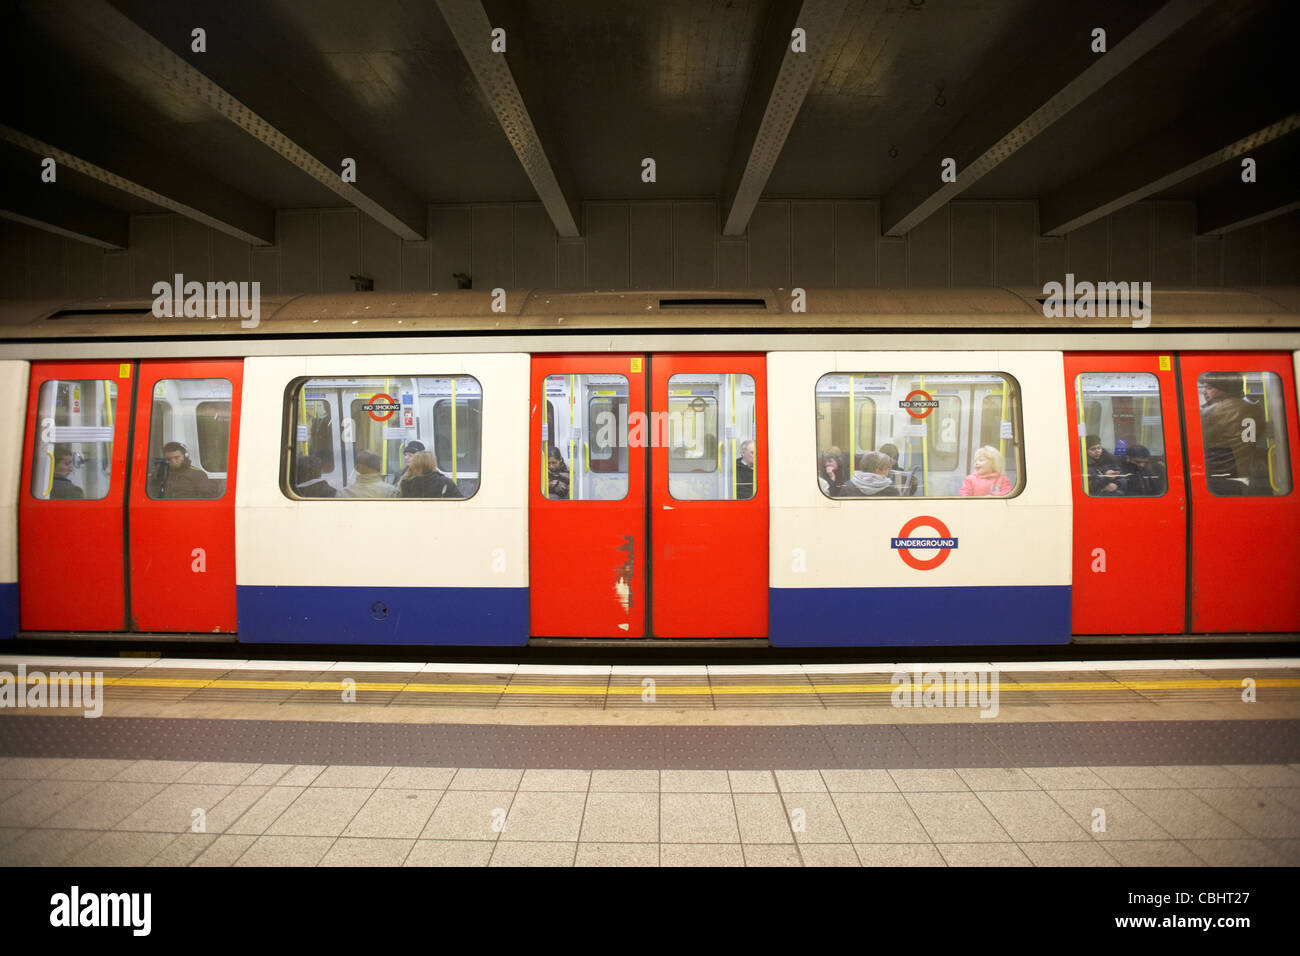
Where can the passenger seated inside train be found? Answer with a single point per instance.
(1105, 473)
(745, 470)
(409, 451)
(1145, 476)
(871, 479)
(310, 483)
(557, 475)
(422, 479)
(175, 477)
(370, 483)
(62, 486)
(987, 477)
(829, 476)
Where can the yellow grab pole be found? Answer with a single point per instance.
(572, 399)
(731, 377)
(454, 456)
(1083, 437)
(925, 451)
(853, 429)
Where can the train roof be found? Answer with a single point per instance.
(535, 311)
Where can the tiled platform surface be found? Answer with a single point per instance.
(414, 687)
(88, 812)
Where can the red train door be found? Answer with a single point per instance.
(182, 510)
(586, 514)
(1242, 449)
(708, 502)
(1130, 518)
(70, 512)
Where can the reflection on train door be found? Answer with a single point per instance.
(182, 504)
(709, 496)
(1130, 518)
(586, 514)
(70, 520)
(1242, 449)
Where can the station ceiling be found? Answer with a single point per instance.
(1015, 92)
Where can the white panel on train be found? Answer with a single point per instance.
(962, 452)
(342, 566)
(13, 415)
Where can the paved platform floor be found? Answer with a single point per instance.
(144, 813)
(242, 763)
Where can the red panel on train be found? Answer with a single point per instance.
(709, 496)
(1243, 453)
(186, 447)
(71, 500)
(586, 505)
(1129, 494)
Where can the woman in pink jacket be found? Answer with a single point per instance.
(987, 478)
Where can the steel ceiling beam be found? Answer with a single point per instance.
(975, 144)
(49, 207)
(1174, 156)
(383, 199)
(472, 29)
(196, 197)
(1236, 204)
(782, 78)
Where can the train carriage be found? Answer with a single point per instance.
(891, 467)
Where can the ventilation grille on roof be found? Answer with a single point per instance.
(720, 303)
(76, 313)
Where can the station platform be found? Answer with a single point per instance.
(254, 762)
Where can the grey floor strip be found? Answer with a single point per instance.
(903, 746)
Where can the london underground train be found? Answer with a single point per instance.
(888, 467)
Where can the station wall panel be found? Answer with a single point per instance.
(666, 244)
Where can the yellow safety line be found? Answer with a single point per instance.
(875, 687)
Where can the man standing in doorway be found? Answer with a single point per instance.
(745, 470)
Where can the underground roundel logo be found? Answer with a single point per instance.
(919, 403)
(381, 403)
(945, 543)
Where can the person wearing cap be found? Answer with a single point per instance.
(409, 451)
(1230, 425)
(1147, 478)
(1105, 476)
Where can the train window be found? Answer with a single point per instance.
(1121, 435)
(1243, 425)
(73, 454)
(712, 432)
(189, 439)
(386, 436)
(584, 440)
(921, 441)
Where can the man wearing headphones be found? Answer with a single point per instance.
(179, 478)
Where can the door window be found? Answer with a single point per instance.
(585, 435)
(73, 458)
(1243, 427)
(189, 439)
(712, 437)
(1121, 435)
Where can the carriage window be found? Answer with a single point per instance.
(189, 439)
(1243, 427)
(1121, 435)
(73, 455)
(584, 440)
(712, 432)
(921, 439)
(385, 437)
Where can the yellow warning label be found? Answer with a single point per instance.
(636, 365)
(124, 370)
(1166, 363)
